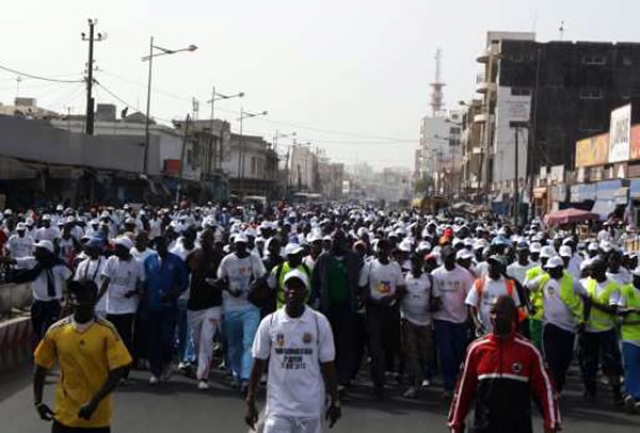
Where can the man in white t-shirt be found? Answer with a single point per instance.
(518, 269)
(450, 320)
(123, 277)
(47, 232)
(485, 290)
(241, 318)
(92, 269)
(298, 343)
(20, 244)
(383, 283)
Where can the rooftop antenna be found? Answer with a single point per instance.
(18, 81)
(436, 93)
(562, 30)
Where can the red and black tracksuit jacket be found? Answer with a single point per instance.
(502, 375)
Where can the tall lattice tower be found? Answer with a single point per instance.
(436, 94)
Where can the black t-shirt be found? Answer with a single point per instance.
(203, 295)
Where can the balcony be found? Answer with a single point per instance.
(483, 86)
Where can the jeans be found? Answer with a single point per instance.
(631, 355)
(204, 325)
(240, 328)
(344, 324)
(186, 349)
(43, 315)
(557, 347)
(452, 340)
(161, 328)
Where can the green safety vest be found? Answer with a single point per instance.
(567, 295)
(280, 272)
(537, 298)
(599, 320)
(632, 297)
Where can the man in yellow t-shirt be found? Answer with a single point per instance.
(92, 360)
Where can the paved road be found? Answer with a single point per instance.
(179, 407)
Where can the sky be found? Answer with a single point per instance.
(350, 77)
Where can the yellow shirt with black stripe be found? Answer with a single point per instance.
(85, 360)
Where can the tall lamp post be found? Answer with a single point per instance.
(277, 136)
(149, 58)
(244, 115)
(215, 96)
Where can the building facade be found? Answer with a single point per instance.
(252, 166)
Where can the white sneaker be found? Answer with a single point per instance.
(426, 383)
(153, 380)
(203, 384)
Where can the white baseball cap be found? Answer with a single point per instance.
(123, 241)
(547, 252)
(299, 275)
(535, 247)
(554, 262)
(292, 249)
(566, 251)
(47, 245)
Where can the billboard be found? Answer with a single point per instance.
(620, 134)
(592, 151)
(635, 142)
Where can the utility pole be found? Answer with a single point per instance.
(516, 198)
(90, 116)
(185, 140)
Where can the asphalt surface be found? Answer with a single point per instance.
(178, 406)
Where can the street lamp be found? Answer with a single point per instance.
(244, 115)
(215, 96)
(149, 58)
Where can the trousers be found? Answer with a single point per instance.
(451, 340)
(557, 345)
(417, 346)
(631, 356)
(161, 327)
(43, 315)
(596, 347)
(124, 325)
(286, 424)
(204, 324)
(240, 329)
(383, 325)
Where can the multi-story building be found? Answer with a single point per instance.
(252, 166)
(330, 178)
(303, 169)
(471, 146)
(555, 93)
(440, 150)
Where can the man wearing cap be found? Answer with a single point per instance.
(92, 268)
(48, 275)
(486, 289)
(123, 276)
(241, 318)
(600, 341)
(536, 299)
(47, 232)
(452, 283)
(616, 271)
(67, 245)
(298, 342)
(518, 269)
(20, 244)
(563, 316)
(629, 310)
(336, 279)
(293, 253)
(383, 284)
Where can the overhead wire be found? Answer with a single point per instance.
(38, 77)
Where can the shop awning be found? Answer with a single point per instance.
(604, 208)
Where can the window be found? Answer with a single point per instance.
(594, 59)
(520, 91)
(591, 93)
(455, 130)
(253, 166)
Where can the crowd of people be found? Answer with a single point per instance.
(186, 288)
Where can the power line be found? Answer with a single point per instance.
(37, 77)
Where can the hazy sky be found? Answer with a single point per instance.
(349, 76)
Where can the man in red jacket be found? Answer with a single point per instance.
(503, 371)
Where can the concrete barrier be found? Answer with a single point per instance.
(16, 342)
(14, 296)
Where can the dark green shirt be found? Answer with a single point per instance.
(338, 281)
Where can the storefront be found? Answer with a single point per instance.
(607, 194)
(583, 196)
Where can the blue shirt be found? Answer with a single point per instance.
(162, 276)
